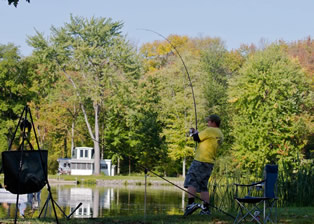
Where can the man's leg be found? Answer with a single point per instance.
(205, 196)
(205, 207)
(191, 207)
(191, 194)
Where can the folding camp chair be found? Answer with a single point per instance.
(260, 200)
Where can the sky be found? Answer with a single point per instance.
(236, 22)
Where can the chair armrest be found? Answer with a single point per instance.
(249, 185)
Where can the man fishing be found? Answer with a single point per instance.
(201, 168)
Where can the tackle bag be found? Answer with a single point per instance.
(29, 178)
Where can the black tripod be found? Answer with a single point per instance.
(27, 168)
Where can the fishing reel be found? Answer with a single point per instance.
(192, 131)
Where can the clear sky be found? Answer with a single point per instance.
(234, 21)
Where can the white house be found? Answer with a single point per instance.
(82, 163)
(93, 201)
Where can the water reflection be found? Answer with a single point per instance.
(101, 201)
(90, 198)
(8, 202)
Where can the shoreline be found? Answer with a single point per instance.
(115, 182)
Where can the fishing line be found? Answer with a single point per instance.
(149, 170)
(195, 113)
(185, 67)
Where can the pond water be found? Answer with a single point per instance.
(97, 201)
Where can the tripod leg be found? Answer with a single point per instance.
(16, 207)
(46, 203)
(59, 208)
(69, 216)
(52, 203)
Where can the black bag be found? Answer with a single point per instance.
(31, 177)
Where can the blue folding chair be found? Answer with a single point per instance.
(256, 206)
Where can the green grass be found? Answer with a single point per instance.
(120, 177)
(304, 215)
(137, 179)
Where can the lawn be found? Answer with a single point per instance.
(303, 215)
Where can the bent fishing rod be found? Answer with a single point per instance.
(185, 68)
(157, 175)
(195, 112)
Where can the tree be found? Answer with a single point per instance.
(89, 53)
(17, 88)
(268, 98)
(218, 65)
(177, 106)
(146, 125)
(302, 51)
(15, 2)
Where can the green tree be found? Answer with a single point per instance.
(268, 98)
(219, 65)
(89, 53)
(146, 125)
(177, 106)
(17, 88)
(16, 2)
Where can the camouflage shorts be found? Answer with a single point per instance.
(198, 175)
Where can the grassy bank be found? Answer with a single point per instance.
(303, 215)
(133, 179)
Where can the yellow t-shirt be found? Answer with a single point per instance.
(210, 138)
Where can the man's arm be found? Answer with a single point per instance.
(194, 134)
(196, 137)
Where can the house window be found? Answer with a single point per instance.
(81, 153)
(86, 153)
(74, 166)
(104, 166)
(64, 165)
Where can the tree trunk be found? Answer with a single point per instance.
(129, 165)
(183, 166)
(95, 202)
(96, 141)
(72, 131)
(72, 137)
(65, 153)
(118, 169)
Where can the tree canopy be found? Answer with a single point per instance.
(269, 97)
(88, 86)
(16, 2)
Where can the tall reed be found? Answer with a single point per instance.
(293, 188)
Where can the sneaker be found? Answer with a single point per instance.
(191, 208)
(205, 212)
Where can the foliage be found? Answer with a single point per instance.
(87, 85)
(17, 88)
(219, 66)
(303, 50)
(91, 54)
(145, 124)
(156, 54)
(296, 189)
(132, 129)
(268, 98)
(16, 2)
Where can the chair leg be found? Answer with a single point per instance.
(268, 208)
(247, 213)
